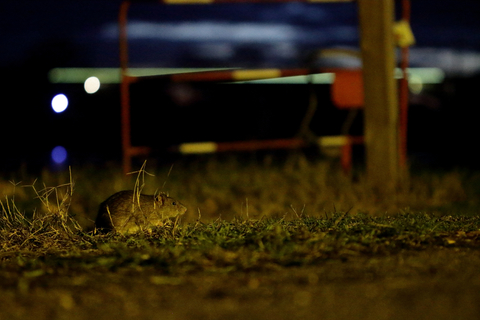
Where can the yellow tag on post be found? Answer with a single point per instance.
(403, 34)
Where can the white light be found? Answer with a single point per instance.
(415, 84)
(59, 103)
(92, 85)
(59, 155)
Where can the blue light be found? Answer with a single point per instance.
(59, 155)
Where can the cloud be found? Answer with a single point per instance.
(451, 61)
(207, 31)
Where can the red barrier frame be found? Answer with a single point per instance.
(129, 151)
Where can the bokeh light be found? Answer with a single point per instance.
(59, 103)
(92, 85)
(59, 154)
(415, 84)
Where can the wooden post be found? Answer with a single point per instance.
(403, 99)
(381, 102)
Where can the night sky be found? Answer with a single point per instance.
(36, 36)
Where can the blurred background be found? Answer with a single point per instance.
(52, 116)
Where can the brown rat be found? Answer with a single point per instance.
(128, 211)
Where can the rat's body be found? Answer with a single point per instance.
(128, 212)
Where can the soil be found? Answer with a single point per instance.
(441, 283)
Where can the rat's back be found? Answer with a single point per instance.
(127, 211)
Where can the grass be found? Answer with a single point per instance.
(241, 244)
(229, 187)
(275, 267)
(294, 239)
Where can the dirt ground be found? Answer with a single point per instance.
(440, 283)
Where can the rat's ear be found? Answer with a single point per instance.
(161, 197)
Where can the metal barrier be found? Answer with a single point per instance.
(370, 20)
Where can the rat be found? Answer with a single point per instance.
(128, 211)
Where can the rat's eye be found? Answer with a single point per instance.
(174, 203)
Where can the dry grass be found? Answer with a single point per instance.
(230, 187)
(48, 218)
(297, 239)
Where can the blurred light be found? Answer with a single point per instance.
(112, 75)
(425, 75)
(415, 84)
(59, 103)
(92, 85)
(207, 31)
(319, 78)
(59, 155)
